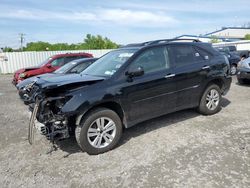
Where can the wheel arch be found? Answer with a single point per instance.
(116, 107)
(216, 81)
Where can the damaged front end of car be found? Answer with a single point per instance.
(54, 108)
(49, 119)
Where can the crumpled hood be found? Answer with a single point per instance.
(26, 69)
(59, 80)
(27, 81)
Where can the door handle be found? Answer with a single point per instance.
(170, 76)
(205, 67)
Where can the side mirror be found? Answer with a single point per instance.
(136, 72)
(48, 66)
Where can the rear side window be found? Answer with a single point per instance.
(152, 60)
(203, 54)
(184, 55)
(79, 68)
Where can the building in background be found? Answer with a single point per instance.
(201, 38)
(226, 34)
(230, 33)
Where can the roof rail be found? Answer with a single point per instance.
(159, 42)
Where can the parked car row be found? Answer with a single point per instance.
(73, 67)
(233, 50)
(49, 65)
(124, 87)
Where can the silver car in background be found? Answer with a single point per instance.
(243, 71)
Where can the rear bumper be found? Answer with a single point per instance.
(227, 84)
(243, 74)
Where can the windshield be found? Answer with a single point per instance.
(109, 63)
(65, 68)
(44, 62)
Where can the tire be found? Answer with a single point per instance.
(233, 70)
(240, 81)
(87, 131)
(204, 106)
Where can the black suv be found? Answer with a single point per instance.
(126, 86)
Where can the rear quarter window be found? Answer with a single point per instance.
(183, 55)
(204, 54)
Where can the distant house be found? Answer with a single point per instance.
(230, 33)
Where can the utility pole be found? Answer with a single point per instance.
(21, 35)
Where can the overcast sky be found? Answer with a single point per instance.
(123, 21)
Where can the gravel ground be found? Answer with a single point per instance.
(183, 149)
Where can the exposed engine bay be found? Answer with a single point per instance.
(46, 103)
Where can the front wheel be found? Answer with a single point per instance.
(210, 100)
(99, 131)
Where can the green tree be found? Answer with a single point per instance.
(214, 39)
(247, 37)
(98, 42)
(7, 49)
(37, 46)
(90, 42)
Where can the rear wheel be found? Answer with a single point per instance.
(99, 131)
(210, 101)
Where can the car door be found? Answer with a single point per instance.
(191, 68)
(151, 94)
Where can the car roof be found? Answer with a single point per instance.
(83, 60)
(138, 46)
(72, 54)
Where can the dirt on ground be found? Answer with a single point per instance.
(183, 149)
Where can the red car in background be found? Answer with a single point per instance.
(50, 65)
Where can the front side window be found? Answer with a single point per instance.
(108, 64)
(58, 62)
(152, 60)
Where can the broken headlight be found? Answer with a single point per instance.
(59, 103)
(22, 75)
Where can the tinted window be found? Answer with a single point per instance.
(184, 55)
(66, 67)
(152, 60)
(203, 54)
(71, 58)
(58, 62)
(80, 67)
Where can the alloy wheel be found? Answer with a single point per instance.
(101, 132)
(212, 99)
